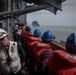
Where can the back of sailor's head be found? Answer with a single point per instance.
(71, 42)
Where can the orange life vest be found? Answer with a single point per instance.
(39, 49)
(29, 35)
(62, 63)
(24, 34)
(31, 44)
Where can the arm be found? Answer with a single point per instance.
(44, 56)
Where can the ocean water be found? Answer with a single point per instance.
(60, 32)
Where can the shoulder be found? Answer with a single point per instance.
(59, 54)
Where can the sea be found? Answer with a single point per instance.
(60, 32)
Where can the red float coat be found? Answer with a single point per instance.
(39, 50)
(62, 63)
(31, 44)
(29, 35)
(24, 34)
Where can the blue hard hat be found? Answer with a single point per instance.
(28, 28)
(37, 32)
(47, 36)
(71, 40)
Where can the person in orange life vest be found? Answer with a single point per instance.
(35, 36)
(28, 31)
(43, 51)
(30, 35)
(33, 40)
(24, 40)
(64, 63)
(25, 32)
(27, 42)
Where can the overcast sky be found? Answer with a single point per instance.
(65, 17)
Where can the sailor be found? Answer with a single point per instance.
(33, 40)
(28, 29)
(25, 35)
(11, 55)
(25, 31)
(64, 63)
(28, 34)
(35, 37)
(43, 51)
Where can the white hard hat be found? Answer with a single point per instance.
(3, 33)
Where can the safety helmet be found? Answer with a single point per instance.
(37, 32)
(71, 40)
(3, 33)
(28, 28)
(47, 36)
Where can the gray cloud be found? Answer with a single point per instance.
(65, 17)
